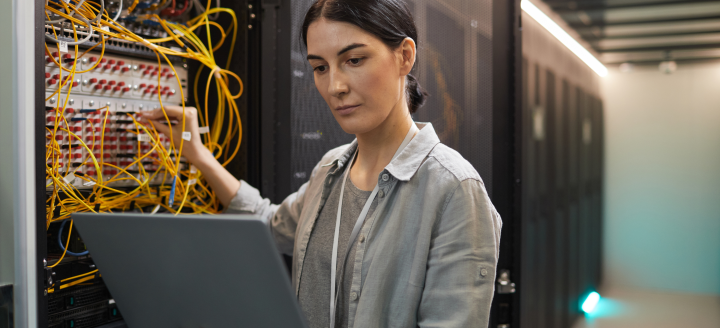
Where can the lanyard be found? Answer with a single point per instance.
(358, 224)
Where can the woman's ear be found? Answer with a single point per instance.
(407, 56)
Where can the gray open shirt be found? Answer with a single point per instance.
(427, 255)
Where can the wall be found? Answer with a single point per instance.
(662, 191)
(7, 131)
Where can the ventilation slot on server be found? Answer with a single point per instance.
(83, 317)
(65, 300)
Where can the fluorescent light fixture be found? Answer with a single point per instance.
(590, 302)
(564, 37)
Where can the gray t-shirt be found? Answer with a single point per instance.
(314, 294)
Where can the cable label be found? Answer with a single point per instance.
(62, 45)
(216, 72)
(192, 182)
(69, 178)
(193, 169)
(89, 183)
(186, 135)
(144, 138)
(148, 44)
(204, 129)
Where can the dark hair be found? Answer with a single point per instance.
(388, 20)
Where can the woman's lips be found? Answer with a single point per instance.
(345, 110)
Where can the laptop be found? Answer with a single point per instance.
(191, 270)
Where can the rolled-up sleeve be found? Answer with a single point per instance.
(459, 282)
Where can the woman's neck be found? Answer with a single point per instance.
(377, 147)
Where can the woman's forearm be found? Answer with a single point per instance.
(221, 181)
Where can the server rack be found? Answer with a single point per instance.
(92, 302)
(562, 204)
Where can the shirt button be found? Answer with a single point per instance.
(353, 296)
(362, 239)
(385, 177)
(381, 194)
(483, 272)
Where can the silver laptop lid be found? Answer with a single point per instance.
(192, 270)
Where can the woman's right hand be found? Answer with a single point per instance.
(193, 150)
(224, 184)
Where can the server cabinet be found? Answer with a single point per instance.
(562, 185)
(537, 202)
(91, 306)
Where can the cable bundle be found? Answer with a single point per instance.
(182, 185)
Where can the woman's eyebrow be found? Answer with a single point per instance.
(350, 47)
(344, 50)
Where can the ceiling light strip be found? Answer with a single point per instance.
(564, 37)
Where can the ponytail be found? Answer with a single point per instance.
(416, 95)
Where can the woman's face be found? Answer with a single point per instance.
(360, 78)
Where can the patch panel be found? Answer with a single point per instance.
(101, 110)
(104, 125)
(117, 77)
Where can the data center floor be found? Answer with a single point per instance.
(627, 308)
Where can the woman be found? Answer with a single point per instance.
(423, 234)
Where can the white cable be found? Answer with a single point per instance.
(119, 11)
(70, 14)
(73, 43)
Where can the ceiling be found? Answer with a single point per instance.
(645, 31)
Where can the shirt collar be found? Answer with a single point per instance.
(408, 161)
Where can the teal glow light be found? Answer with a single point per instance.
(590, 302)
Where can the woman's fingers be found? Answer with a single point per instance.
(162, 128)
(156, 117)
(173, 113)
(177, 112)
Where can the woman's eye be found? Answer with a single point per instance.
(355, 61)
(320, 69)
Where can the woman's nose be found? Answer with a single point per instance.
(337, 86)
